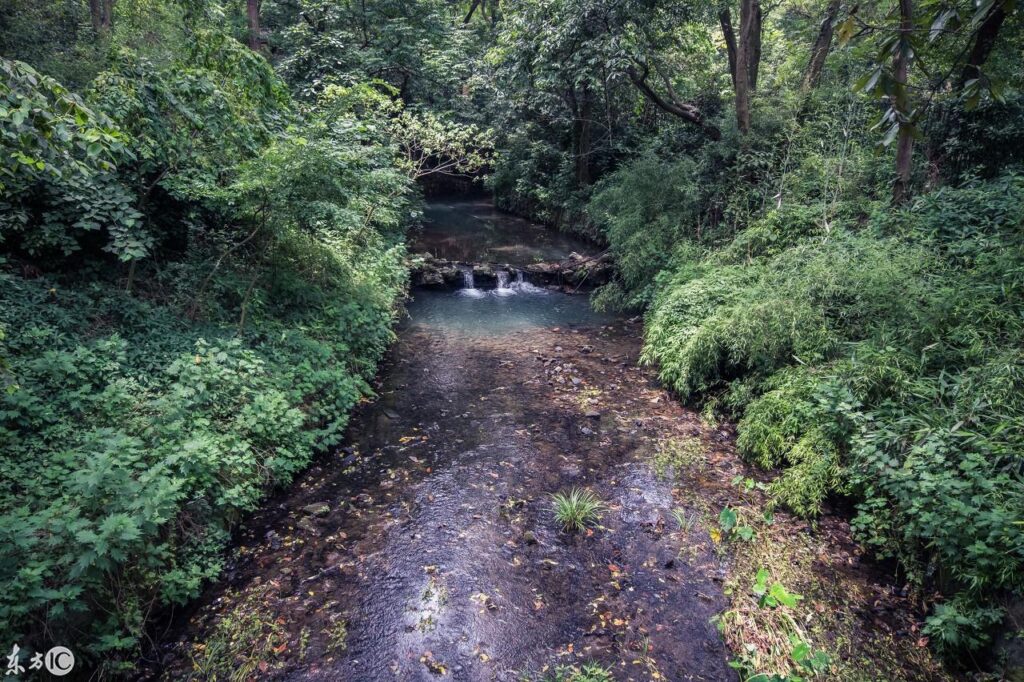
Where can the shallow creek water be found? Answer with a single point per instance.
(430, 534)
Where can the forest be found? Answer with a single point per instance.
(814, 210)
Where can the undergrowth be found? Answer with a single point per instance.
(884, 364)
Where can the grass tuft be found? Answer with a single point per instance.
(576, 509)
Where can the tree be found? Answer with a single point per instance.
(904, 121)
(671, 103)
(101, 13)
(822, 45)
(963, 46)
(744, 54)
(253, 14)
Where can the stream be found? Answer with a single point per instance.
(426, 547)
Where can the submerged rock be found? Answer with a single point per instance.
(317, 509)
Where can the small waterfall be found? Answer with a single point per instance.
(524, 286)
(503, 284)
(468, 285)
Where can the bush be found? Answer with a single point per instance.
(885, 364)
(139, 423)
(646, 210)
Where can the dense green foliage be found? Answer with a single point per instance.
(200, 277)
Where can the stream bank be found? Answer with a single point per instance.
(426, 548)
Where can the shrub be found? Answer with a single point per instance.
(138, 428)
(884, 364)
(646, 209)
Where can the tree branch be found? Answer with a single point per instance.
(684, 110)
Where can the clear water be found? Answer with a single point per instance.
(475, 231)
(482, 313)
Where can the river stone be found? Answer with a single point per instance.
(317, 509)
(307, 524)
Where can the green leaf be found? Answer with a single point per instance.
(727, 519)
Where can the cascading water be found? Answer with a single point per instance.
(503, 284)
(468, 285)
(525, 287)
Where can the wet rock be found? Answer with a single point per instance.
(593, 414)
(432, 278)
(317, 509)
(274, 539)
(307, 524)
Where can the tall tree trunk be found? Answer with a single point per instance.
(107, 20)
(821, 47)
(984, 41)
(744, 56)
(748, 13)
(253, 11)
(905, 136)
(96, 15)
(725, 19)
(754, 53)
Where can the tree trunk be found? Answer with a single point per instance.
(748, 12)
(725, 19)
(984, 41)
(96, 15)
(754, 53)
(472, 10)
(821, 47)
(905, 137)
(253, 11)
(107, 20)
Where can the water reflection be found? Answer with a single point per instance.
(475, 231)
